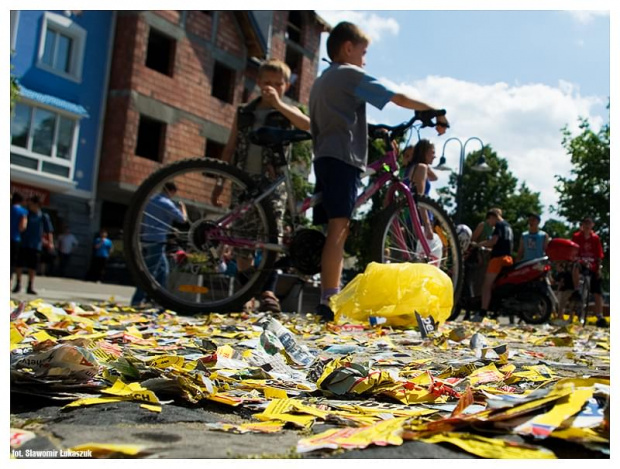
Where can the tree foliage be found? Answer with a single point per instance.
(484, 190)
(557, 229)
(301, 164)
(586, 191)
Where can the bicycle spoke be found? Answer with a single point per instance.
(200, 253)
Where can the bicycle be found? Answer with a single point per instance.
(579, 306)
(197, 281)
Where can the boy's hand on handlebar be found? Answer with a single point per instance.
(442, 125)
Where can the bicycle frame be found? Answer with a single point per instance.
(387, 164)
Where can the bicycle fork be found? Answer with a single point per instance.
(413, 216)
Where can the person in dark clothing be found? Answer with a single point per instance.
(501, 248)
(18, 223)
(103, 247)
(39, 228)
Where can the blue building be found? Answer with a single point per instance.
(61, 60)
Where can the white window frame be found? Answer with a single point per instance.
(27, 152)
(14, 24)
(63, 25)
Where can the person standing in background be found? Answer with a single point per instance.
(103, 248)
(67, 242)
(39, 227)
(19, 221)
(533, 242)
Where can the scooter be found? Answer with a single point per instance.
(522, 290)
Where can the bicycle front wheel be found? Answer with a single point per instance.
(396, 240)
(217, 258)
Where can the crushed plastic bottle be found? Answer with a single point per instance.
(376, 320)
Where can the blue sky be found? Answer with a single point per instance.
(511, 78)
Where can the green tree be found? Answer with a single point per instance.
(557, 229)
(496, 188)
(301, 164)
(586, 191)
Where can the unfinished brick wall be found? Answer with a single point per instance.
(186, 94)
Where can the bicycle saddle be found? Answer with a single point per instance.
(272, 136)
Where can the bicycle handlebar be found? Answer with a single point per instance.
(376, 131)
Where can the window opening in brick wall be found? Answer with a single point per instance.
(293, 59)
(294, 26)
(160, 52)
(214, 149)
(151, 134)
(223, 84)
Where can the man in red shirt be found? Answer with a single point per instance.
(590, 247)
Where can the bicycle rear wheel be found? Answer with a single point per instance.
(395, 240)
(189, 267)
(585, 300)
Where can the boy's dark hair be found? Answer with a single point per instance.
(16, 198)
(343, 32)
(35, 200)
(419, 151)
(276, 66)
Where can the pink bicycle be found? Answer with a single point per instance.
(188, 266)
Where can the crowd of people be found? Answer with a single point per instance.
(35, 251)
(337, 122)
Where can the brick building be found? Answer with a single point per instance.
(176, 80)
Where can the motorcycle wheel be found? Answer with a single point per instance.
(538, 310)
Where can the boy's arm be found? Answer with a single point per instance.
(292, 113)
(489, 243)
(405, 101)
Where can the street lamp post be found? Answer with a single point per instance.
(481, 166)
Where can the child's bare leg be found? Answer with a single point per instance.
(333, 253)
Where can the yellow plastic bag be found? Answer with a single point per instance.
(395, 292)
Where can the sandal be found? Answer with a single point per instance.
(269, 302)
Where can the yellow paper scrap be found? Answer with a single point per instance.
(486, 374)
(42, 336)
(99, 450)
(153, 408)
(274, 393)
(133, 391)
(167, 361)
(542, 425)
(383, 433)
(16, 336)
(493, 448)
(94, 400)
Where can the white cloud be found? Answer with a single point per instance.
(587, 16)
(522, 123)
(371, 23)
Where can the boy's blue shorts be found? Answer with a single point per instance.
(338, 182)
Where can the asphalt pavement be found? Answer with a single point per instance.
(54, 289)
